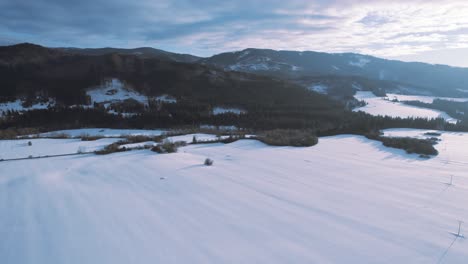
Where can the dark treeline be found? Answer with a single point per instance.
(325, 122)
(270, 103)
(452, 108)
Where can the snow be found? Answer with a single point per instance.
(357, 86)
(115, 91)
(295, 68)
(359, 62)
(319, 88)
(189, 137)
(256, 64)
(17, 105)
(11, 149)
(103, 132)
(379, 106)
(345, 200)
(165, 98)
(422, 98)
(224, 110)
(243, 54)
(253, 67)
(382, 75)
(138, 145)
(227, 128)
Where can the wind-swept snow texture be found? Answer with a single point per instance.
(345, 200)
(12, 149)
(384, 107)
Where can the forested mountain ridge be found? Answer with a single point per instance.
(63, 83)
(408, 77)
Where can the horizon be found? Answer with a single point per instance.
(233, 51)
(420, 31)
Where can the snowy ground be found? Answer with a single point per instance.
(185, 138)
(381, 106)
(11, 149)
(224, 110)
(115, 91)
(422, 98)
(165, 98)
(319, 88)
(345, 200)
(104, 132)
(18, 106)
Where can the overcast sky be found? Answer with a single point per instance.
(429, 31)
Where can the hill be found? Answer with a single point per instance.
(408, 77)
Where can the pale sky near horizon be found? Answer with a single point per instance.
(427, 31)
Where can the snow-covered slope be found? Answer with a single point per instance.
(384, 107)
(422, 98)
(17, 105)
(345, 200)
(319, 88)
(115, 91)
(223, 110)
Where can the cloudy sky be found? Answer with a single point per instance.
(429, 31)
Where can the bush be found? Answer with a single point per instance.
(90, 138)
(411, 145)
(112, 148)
(288, 137)
(435, 134)
(208, 162)
(15, 133)
(168, 146)
(143, 138)
(59, 136)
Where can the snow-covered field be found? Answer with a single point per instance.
(165, 98)
(115, 91)
(422, 98)
(17, 105)
(11, 149)
(345, 200)
(103, 132)
(224, 110)
(319, 88)
(381, 106)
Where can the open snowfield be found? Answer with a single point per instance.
(103, 132)
(114, 91)
(17, 105)
(422, 98)
(12, 149)
(345, 200)
(224, 110)
(379, 106)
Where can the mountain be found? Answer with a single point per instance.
(144, 52)
(54, 89)
(26, 53)
(30, 70)
(67, 80)
(409, 77)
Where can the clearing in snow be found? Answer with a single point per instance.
(346, 200)
(384, 107)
